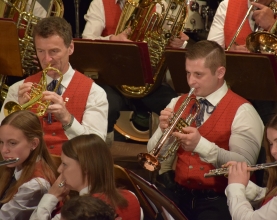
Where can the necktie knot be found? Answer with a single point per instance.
(51, 86)
(204, 105)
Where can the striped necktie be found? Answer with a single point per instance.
(50, 87)
(204, 105)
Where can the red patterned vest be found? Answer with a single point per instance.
(132, 211)
(77, 92)
(112, 15)
(217, 128)
(235, 13)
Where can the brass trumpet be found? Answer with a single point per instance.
(6, 162)
(168, 144)
(224, 171)
(35, 102)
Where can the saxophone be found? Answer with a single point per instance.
(156, 30)
(26, 14)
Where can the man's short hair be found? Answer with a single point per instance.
(211, 51)
(50, 26)
(87, 208)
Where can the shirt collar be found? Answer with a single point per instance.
(17, 174)
(66, 77)
(216, 96)
(84, 191)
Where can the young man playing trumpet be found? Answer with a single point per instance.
(81, 106)
(227, 128)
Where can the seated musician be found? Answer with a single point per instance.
(101, 21)
(24, 182)
(87, 208)
(227, 127)
(226, 22)
(242, 193)
(87, 167)
(80, 106)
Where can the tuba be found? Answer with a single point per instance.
(168, 144)
(25, 14)
(35, 104)
(156, 30)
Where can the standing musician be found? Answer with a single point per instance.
(81, 107)
(242, 193)
(227, 128)
(227, 20)
(102, 18)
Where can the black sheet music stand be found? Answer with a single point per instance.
(113, 63)
(10, 60)
(252, 76)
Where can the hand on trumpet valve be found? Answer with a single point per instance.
(189, 139)
(23, 92)
(165, 117)
(264, 17)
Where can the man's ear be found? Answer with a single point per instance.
(71, 48)
(221, 72)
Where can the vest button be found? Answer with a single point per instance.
(199, 183)
(188, 182)
(53, 134)
(190, 166)
(192, 153)
(51, 147)
(201, 168)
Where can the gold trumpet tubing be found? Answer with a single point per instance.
(224, 171)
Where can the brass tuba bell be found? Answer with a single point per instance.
(168, 144)
(38, 106)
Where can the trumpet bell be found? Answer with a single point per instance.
(148, 161)
(11, 107)
(262, 42)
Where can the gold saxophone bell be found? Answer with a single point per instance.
(38, 106)
(224, 171)
(168, 144)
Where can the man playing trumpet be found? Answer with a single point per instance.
(227, 128)
(80, 106)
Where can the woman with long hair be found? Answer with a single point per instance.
(243, 194)
(87, 167)
(24, 182)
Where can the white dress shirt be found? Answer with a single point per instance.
(217, 28)
(95, 20)
(26, 199)
(241, 199)
(245, 140)
(48, 204)
(95, 115)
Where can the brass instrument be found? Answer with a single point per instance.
(35, 103)
(224, 171)
(156, 30)
(23, 12)
(6, 162)
(168, 144)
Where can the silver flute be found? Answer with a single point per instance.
(224, 171)
(10, 161)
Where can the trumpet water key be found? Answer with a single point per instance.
(224, 171)
(168, 144)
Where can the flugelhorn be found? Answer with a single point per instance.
(224, 171)
(10, 161)
(168, 144)
(39, 107)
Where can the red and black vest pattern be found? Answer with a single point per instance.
(77, 93)
(217, 128)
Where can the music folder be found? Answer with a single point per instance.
(113, 62)
(10, 58)
(252, 76)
